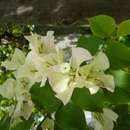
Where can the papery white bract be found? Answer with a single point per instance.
(95, 76)
(105, 120)
(79, 55)
(41, 44)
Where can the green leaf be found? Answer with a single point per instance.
(122, 79)
(91, 43)
(118, 54)
(123, 121)
(124, 28)
(82, 98)
(22, 124)
(5, 123)
(119, 96)
(102, 25)
(45, 97)
(70, 117)
(85, 100)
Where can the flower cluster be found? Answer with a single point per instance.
(45, 61)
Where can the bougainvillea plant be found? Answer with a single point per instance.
(87, 90)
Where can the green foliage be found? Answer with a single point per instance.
(91, 43)
(85, 100)
(70, 117)
(124, 28)
(123, 121)
(118, 54)
(45, 98)
(122, 79)
(102, 25)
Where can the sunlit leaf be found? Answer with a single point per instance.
(124, 28)
(102, 25)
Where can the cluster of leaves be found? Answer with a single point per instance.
(114, 40)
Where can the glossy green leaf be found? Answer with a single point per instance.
(83, 99)
(44, 97)
(102, 25)
(124, 28)
(118, 54)
(91, 43)
(70, 117)
(119, 96)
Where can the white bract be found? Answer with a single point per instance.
(41, 44)
(94, 75)
(105, 120)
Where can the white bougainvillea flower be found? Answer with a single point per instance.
(17, 60)
(36, 67)
(41, 44)
(105, 120)
(43, 55)
(64, 77)
(94, 75)
(19, 90)
(33, 69)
